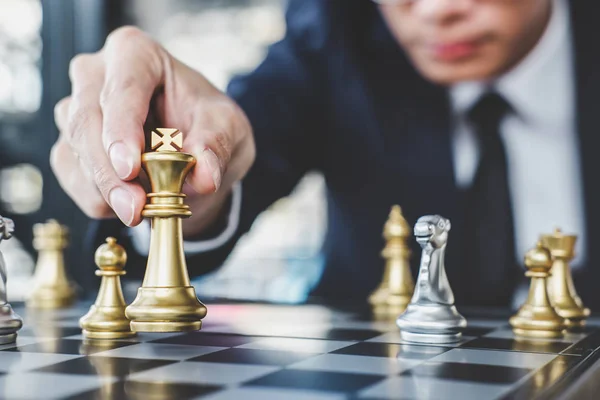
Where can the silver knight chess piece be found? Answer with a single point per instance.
(10, 322)
(431, 316)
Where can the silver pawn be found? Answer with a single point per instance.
(10, 322)
(431, 316)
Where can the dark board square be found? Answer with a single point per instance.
(542, 379)
(316, 380)
(524, 345)
(389, 350)
(468, 372)
(146, 390)
(585, 346)
(476, 331)
(208, 339)
(254, 356)
(67, 346)
(340, 334)
(103, 366)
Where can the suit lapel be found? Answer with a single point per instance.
(587, 68)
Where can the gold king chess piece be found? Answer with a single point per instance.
(397, 286)
(51, 287)
(166, 302)
(560, 284)
(537, 318)
(106, 318)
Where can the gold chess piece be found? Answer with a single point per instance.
(51, 287)
(560, 284)
(397, 286)
(166, 302)
(537, 317)
(106, 318)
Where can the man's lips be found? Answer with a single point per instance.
(454, 51)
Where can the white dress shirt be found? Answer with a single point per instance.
(540, 138)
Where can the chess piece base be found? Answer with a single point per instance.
(537, 322)
(52, 298)
(166, 309)
(108, 335)
(537, 334)
(574, 317)
(431, 323)
(430, 338)
(166, 326)
(9, 338)
(104, 322)
(385, 304)
(10, 323)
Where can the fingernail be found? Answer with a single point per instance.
(122, 203)
(212, 162)
(121, 159)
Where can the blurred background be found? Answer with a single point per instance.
(278, 260)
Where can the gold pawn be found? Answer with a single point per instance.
(106, 318)
(51, 287)
(396, 289)
(560, 284)
(537, 318)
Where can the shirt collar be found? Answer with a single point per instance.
(538, 88)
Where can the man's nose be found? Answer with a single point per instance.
(442, 10)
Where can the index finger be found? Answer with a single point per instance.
(134, 70)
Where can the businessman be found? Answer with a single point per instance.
(483, 111)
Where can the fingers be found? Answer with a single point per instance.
(134, 69)
(214, 148)
(75, 183)
(81, 131)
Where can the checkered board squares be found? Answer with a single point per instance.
(317, 354)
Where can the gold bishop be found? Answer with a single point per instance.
(396, 289)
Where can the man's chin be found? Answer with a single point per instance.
(445, 74)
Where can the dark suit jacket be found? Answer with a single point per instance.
(339, 95)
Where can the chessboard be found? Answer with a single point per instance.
(257, 351)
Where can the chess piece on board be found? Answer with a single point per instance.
(166, 302)
(431, 316)
(106, 318)
(10, 322)
(537, 318)
(51, 286)
(561, 290)
(396, 289)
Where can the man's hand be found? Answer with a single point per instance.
(97, 156)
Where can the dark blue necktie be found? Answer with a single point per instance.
(490, 249)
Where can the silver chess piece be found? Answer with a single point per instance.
(431, 316)
(10, 322)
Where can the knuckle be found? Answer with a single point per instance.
(62, 105)
(79, 65)
(223, 146)
(114, 89)
(60, 112)
(56, 155)
(125, 34)
(103, 177)
(79, 123)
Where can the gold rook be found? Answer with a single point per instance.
(166, 302)
(561, 289)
